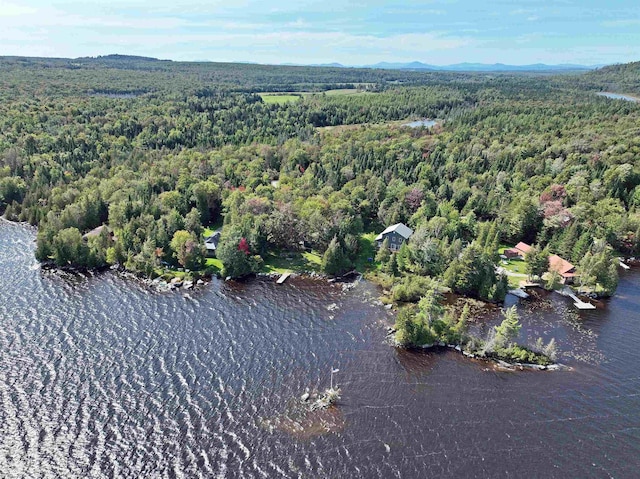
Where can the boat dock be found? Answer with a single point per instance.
(283, 278)
(578, 303)
(518, 293)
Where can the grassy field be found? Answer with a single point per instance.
(312, 260)
(280, 99)
(346, 91)
(214, 263)
(286, 97)
(366, 257)
(515, 266)
(514, 281)
(291, 262)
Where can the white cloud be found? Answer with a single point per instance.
(50, 17)
(301, 47)
(299, 44)
(14, 10)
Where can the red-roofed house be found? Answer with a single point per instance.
(518, 251)
(565, 269)
(562, 267)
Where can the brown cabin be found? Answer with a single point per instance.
(518, 251)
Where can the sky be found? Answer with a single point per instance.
(438, 32)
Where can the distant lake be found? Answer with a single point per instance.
(618, 96)
(115, 95)
(421, 123)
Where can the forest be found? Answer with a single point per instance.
(161, 151)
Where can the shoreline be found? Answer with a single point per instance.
(500, 364)
(348, 280)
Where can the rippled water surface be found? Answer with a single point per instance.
(102, 377)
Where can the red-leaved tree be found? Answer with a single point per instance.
(243, 246)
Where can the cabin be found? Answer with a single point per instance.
(95, 232)
(396, 234)
(565, 269)
(211, 243)
(518, 251)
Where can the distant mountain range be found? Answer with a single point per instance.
(411, 66)
(467, 67)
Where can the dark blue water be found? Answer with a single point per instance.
(102, 377)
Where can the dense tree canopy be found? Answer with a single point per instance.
(157, 149)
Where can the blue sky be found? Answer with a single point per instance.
(305, 31)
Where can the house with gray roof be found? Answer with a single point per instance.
(211, 243)
(396, 234)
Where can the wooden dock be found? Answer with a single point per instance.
(283, 278)
(518, 293)
(578, 303)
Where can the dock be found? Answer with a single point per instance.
(518, 293)
(578, 303)
(283, 278)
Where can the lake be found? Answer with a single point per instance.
(421, 124)
(618, 96)
(102, 377)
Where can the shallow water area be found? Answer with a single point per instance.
(101, 376)
(421, 124)
(618, 96)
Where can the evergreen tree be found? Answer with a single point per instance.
(554, 281)
(581, 248)
(483, 231)
(599, 269)
(334, 260)
(146, 260)
(383, 254)
(473, 273)
(463, 320)
(192, 223)
(69, 248)
(403, 258)
(392, 265)
(569, 239)
(509, 329)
